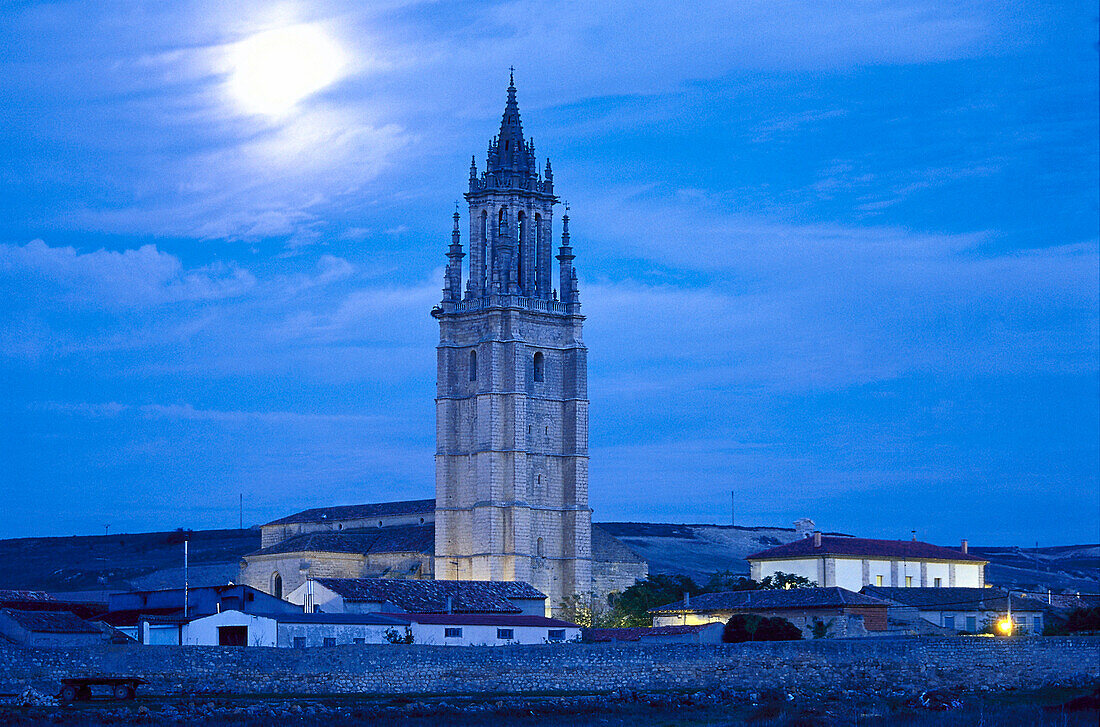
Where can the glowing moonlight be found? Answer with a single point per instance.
(274, 70)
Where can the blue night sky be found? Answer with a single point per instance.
(840, 258)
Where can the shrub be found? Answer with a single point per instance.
(750, 627)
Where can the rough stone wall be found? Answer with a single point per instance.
(609, 576)
(827, 666)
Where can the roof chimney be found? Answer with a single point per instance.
(914, 535)
(965, 547)
(817, 538)
(450, 605)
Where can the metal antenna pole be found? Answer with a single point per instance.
(185, 575)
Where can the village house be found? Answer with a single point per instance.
(967, 610)
(853, 563)
(158, 617)
(844, 612)
(377, 595)
(303, 630)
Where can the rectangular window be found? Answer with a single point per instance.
(937, 582)
(299, 642)
(971, 623)
(908, 581)
(949, 622)
(555, 635)
(359, 641)
(506, 634)
(330, 641)
(878, 580)
(452, 633)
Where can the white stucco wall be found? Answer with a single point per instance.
(938, 570)
(262, 631)
(968, 575)
(877, 568)
(849, 574)
(315, 634)
(803, 567)
(909, 568)
(432, 634)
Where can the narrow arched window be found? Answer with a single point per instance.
(277, 585)
(473, 365)
(540, 367)
(501, 223)
(538, 548)
(484, 224)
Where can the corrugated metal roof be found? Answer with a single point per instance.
(864, 547)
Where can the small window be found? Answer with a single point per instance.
(540, 367)
(937, 582)
(1037, 624)
(878, 580)
(908, 581)
(506, 634)
(473, 365)
(949, 622)
(452, 633)
(277, 585)
(299, 642)
(330, 641)
(555, 635)
(359, 640)
(538, 548)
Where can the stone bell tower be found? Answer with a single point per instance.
(511, 463)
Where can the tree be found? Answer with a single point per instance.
(750, 627)
(724, 581)
(780, 580)
(584, 611)
(396, 637)
(631, 607)
(821, 628)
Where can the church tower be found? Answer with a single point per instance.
(511, 460)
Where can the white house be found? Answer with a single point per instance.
(853, 563)
(234, 628)
(397, 595)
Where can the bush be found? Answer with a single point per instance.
(750, 627)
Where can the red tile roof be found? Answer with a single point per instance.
(866, 548)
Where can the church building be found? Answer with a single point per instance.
(511, 457)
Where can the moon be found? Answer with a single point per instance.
(274, 70)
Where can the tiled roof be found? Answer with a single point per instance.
(393, 539)
(771, 600)
(357, 512)
(954, 599)
(606, 548)
(416, 596)
(130, 616)
(54, 622)
(634, 634)
(864, 547)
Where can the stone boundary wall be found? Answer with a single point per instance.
(892, 665)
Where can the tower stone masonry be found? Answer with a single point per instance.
(511, 393)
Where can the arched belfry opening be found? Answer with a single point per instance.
(473, 365)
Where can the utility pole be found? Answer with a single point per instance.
(186, 537)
